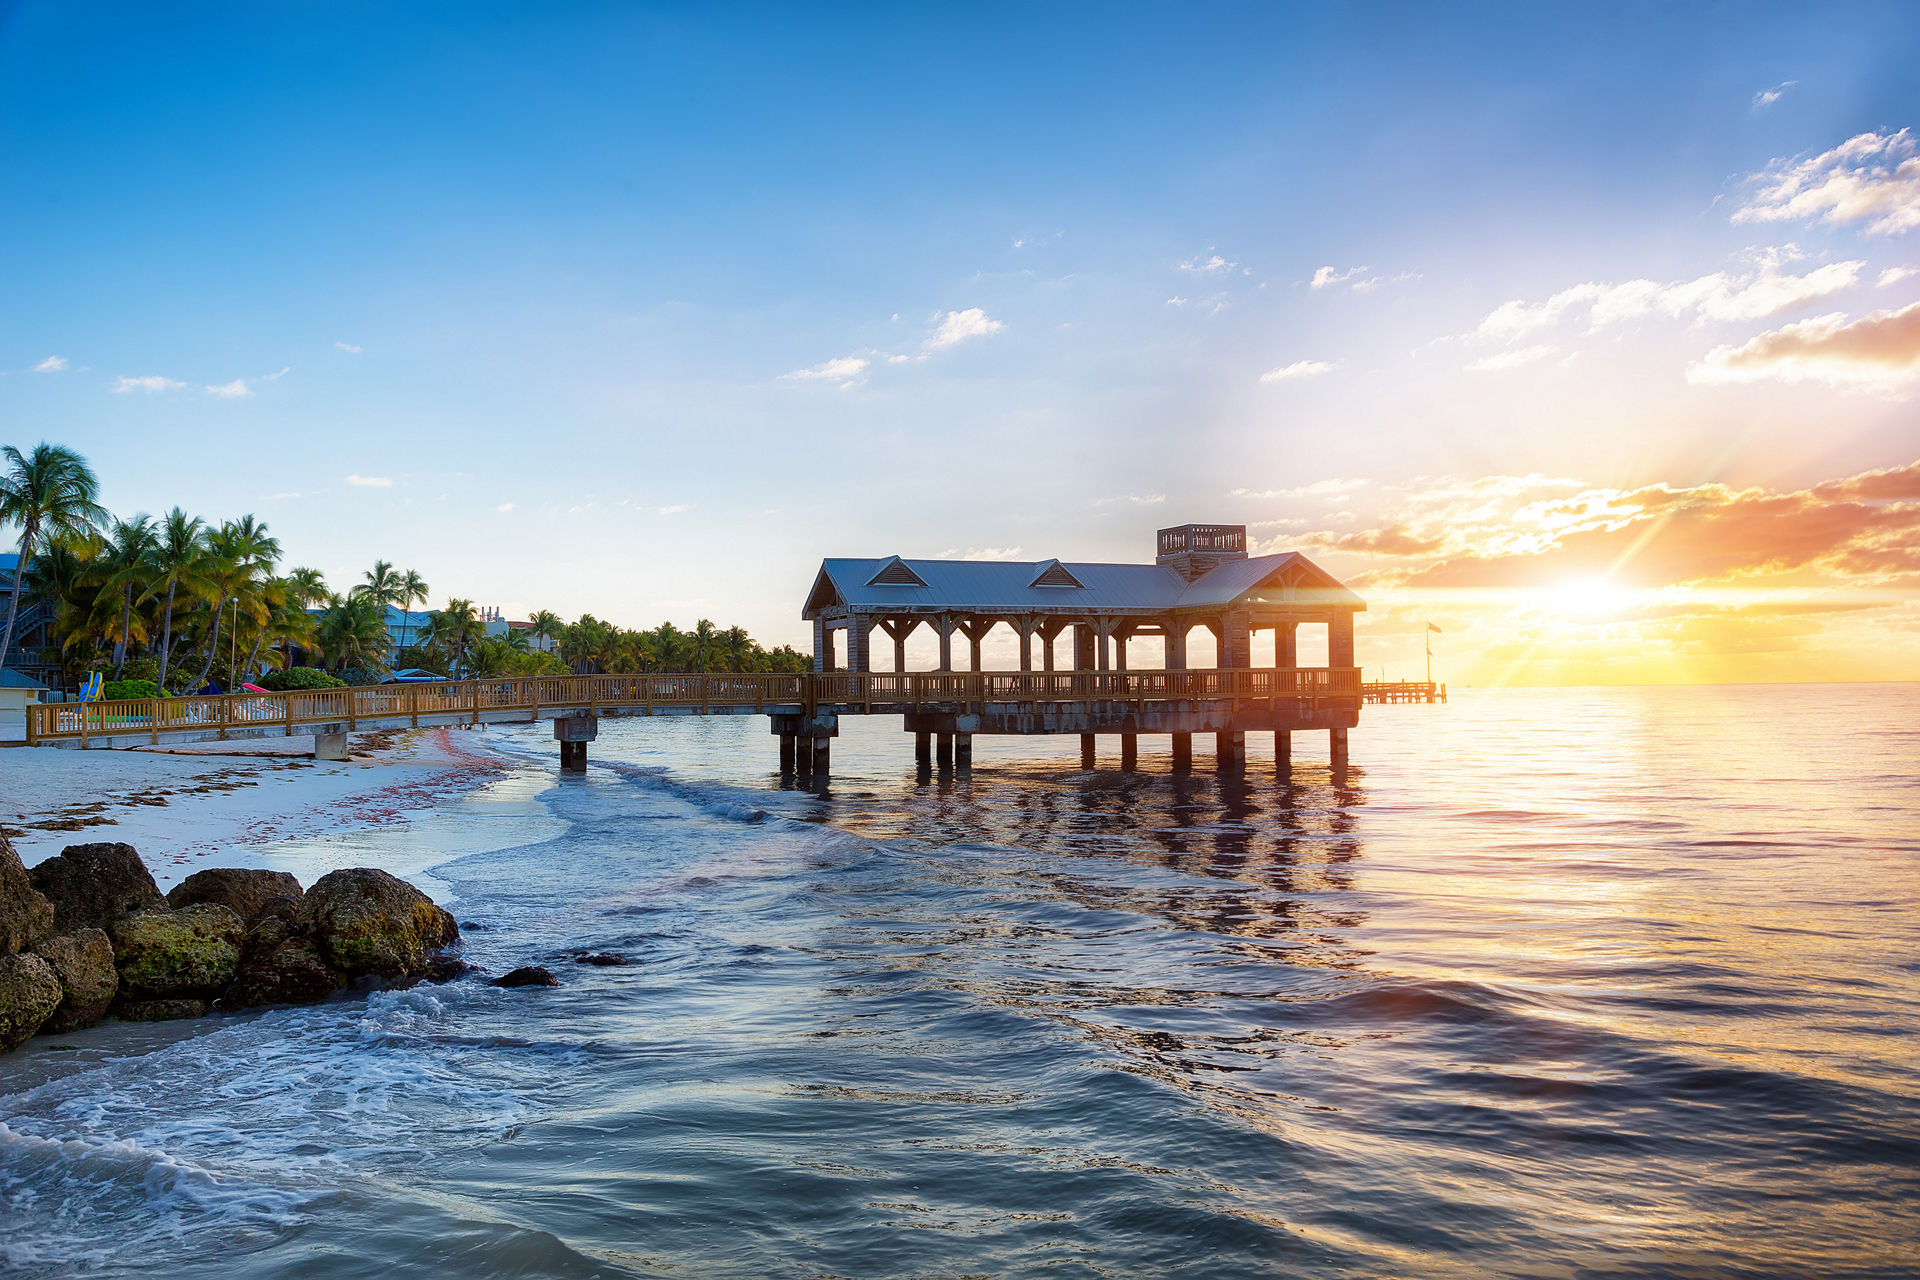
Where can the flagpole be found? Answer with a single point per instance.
(1429, 638)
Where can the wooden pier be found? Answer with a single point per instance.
(1403, 691)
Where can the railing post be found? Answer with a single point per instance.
(153, 721)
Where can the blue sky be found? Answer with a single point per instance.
(643, 311)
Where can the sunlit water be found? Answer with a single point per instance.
(1551, 983)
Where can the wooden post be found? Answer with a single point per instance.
(944, 624)
(1086, 750)
(1286, 645)
(859, 634)
(1182, 752)
(786, 754)
(1282, 750)
(943, 750)
(1337, 747)
(1129, 752)
(923, 750)
(963, 751)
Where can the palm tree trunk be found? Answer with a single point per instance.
(126, 628)
(166, 640)
(253, 652)
(13, 603)
(213, 646)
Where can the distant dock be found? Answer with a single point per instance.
(1403, 691)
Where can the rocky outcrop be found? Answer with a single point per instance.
(193, 952)
(532, 975)
(29, 993)
(280, 965)
(244, 891)
(162, 1010)
(25, 914)
(95, 886)
(83, 962)
(369, 922)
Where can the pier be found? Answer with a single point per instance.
(1202, 579)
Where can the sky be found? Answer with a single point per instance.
(1589, 334)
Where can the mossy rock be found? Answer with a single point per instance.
(95, 886)
(290, 971)
(191, 952)
(25, 915)
(244, 890)
(29, 993)
(364, 920)
(162, 1010)
(83, 962)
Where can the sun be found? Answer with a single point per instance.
(1592, 600)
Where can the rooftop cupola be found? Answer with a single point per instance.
(1194, 550)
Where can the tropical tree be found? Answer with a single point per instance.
(307, 587)
(178, 563)
(546, 625)
(454, 630)
(124, 558)
(50, 492)
(705, 641)
(412, 587)
(353, 632)
(738, 646)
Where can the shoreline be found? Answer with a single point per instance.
(187, 809)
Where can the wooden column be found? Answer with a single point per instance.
(898, 629)
(1086, 751)
(1286, 645)
(786, 753)
(1083, 646)
(963, 751)
(1182, 752)
(944, 624)
(1176, 660)
(1282, 750)
(1129, 751)
(822, 645)
(976, 630)
(859, 634)
(1337, 747)
(1340, 639)
(923, 750)
(1236, 639)
(943, 750)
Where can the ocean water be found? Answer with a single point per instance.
(1582, 983)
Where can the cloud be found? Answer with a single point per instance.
(149, 384)
(1137, 499)
(845, 370)
(1328, 276)
(980, 553)
(1767, 97)
(676, 508)
(1211, 265)
(1721, 296)
(1871, 178)
(52, 364)
(370, 482)
(504, 507)
(280, 497)
(1298, 369)
(275, 377)
(1336, 489)
(1511, 359)
(1374, 282)
(347, 347)
(1875, 350)
(235, 390)
(957, 326)
(1176, 301)
(1894, 275)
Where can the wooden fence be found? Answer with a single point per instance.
(402, 705)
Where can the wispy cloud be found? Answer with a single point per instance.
(676, 508)
(370, 482)
(52, 364)
(347, 347)
(280, 497)
(1336, 489)
(845, 370)
(957, 326)
(1874, 351)
(1722, 296)
(1136, 499)
(980, 553)
(1511, 359)
(235, 390)
(504, 507)
(1894, 275)
(275, 377)
(1210, 265)
(1298, 369)
(1767, 97)
(1871, 179)
(151, 383)
(1374, 282)
(1327, 277)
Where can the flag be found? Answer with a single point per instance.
(1437, 631)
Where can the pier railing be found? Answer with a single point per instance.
(851, 692)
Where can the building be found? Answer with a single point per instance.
(1200, 577)
(30, 654)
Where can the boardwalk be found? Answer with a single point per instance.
(805, 706)
(1403, 691)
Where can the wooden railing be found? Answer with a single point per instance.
(401, 705)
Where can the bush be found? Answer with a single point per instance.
(141, 669)
(361, 675)
(297, 678)
(126, 690)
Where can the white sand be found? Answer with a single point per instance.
(227, 809)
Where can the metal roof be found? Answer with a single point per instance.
(1006, 586)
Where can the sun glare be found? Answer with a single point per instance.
(1592, 600)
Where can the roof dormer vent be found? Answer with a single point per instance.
(895, 573)
(1054, 574)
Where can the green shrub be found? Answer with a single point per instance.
(141, 669)
(296, 678)
(361, 675)
(126, 690)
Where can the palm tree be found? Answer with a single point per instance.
(412, 587)
(129, 545)
(738, 646)
(545, 625)
(307, 587)
(704, 637)
(177, 562)
(50, 491)
(353, 632)
(454, 630)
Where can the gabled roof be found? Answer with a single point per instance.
(1012, 587)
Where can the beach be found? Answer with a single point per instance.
(227, 804)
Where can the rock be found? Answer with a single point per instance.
(242, 890)
(29, 993)
(288, 972)
(532, 975)
(366, 921)
(191, 952)
(83, 962)
(601, 958)
(94, 886)
(284, 907)
(446, 969)
(161, 1010)
(25, 914)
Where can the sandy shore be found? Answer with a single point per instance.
(201, 806)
